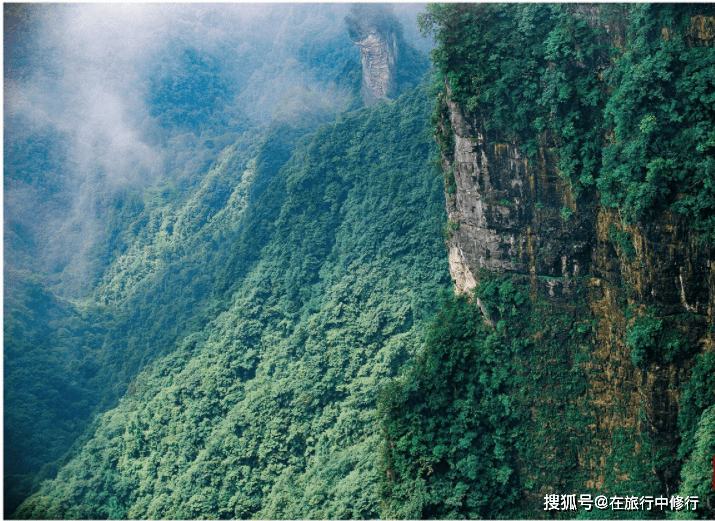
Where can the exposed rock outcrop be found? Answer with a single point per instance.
(510, 215)
(375, 30)
(378, 53)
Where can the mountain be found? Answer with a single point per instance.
(254, 285)
(579, 180)
(274, 398)
(136, 161)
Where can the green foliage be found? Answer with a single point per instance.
(448, 426)
(660, 111)
(89, 351)
(697, 431)
(572, 86)
(153, 273)
(267, 410)
(643, 337)
(500, 297)
(698, 396)
(623, 239)
(547, 94)
(50, 362)
(34, 170)
(566, 213)
(653, 337)
(190, 93)
(695, 482)
(160, 245)
(468, 430)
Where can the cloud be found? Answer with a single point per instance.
(72, 73)
(81, 72)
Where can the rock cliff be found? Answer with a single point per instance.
(510, 215)
(577, 170)
(374, 29)
(378, 53)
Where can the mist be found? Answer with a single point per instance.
(88, 90)
(115, 115)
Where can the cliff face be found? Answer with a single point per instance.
(521, 218)
(665, 269)
(583, 363)
(390, 65)
(376, 32)
(513, 216)
(378, 53)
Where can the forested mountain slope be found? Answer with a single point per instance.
(137, 146)
(269, 410)
(265, 326)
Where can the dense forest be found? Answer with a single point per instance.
(579, 176)
(263, 261)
